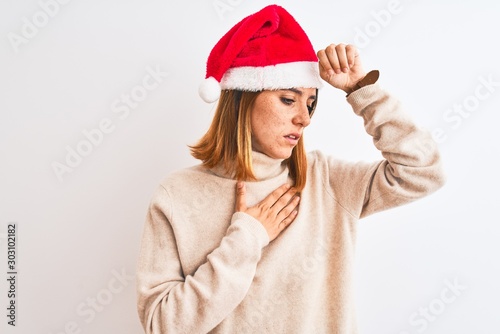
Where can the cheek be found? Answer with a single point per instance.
(276, 124)
(268, 120)
(269, 126)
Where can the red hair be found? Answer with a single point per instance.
(228, 140)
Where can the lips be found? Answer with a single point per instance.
(293, 138)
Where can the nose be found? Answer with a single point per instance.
(302, 117)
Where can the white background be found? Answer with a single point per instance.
(78, 231)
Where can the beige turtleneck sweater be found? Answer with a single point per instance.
(203, 268)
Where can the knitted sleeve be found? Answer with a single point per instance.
(411, 168)
(169, 301)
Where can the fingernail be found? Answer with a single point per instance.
(345, 69)
(331, 72)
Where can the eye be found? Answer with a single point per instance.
(311, 108)
(287, 101)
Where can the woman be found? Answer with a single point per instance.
(226, 247)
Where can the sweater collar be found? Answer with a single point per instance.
(264, 167)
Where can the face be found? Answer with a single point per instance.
(278, 119)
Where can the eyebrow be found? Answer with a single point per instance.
(298, 91)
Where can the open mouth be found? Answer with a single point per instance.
(293, 139)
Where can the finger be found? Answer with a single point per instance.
(288, 220)
(325, 65)
(352, 53)
(322, 71)
(284, 200)
(288, 208)
(271, 199)
(331, 53)
(240, 204)
(342, 56)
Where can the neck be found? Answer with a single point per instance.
(264, 167)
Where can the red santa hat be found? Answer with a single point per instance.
(264, 51)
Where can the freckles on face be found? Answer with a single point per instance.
(267, 127)
(278, 119)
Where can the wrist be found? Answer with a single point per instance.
(369, 79)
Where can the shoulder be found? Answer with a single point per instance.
(185, 177)
(316, 155)
(178, 185)
(318, 167)
(317, 160)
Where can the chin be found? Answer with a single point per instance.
(279, 155)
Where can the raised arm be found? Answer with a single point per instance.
(412, 165)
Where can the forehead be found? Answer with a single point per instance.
(305, 92)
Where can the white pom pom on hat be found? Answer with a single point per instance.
(209, 90)
(266, 50)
